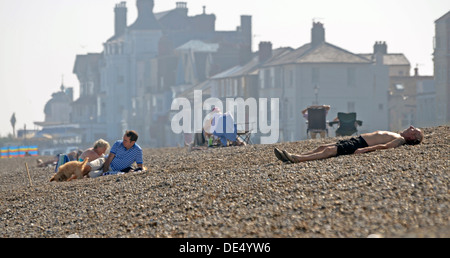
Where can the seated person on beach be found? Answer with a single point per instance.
(122, 156)
(208, 129)
(97, 151)
(73, 155)
(221, 126)
(365, 143)
(305, 115)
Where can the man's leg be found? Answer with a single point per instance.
(96, 173)
(322, 134)
(327, 152)
(93, 166)
(319, 149)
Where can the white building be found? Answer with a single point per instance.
(126, 58)
(442, 68)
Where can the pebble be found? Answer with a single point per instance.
(240, 192)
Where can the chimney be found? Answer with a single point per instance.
(317, 34)
(120, 22)
(181, 5)
(146, 19)
(265, 51)
(182, 8)
(246, 30)
(380, 46)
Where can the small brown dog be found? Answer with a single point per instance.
(69, 171)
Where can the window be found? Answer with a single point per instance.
(351, 107)
(119, 76)
(228, 88)
(291, 111)
(315, 75)
(261, 79)
(277, 78)
(267, 79)
(290, 79)
(90, 86)
(159, 105)
(351, 81)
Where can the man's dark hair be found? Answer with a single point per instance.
(132, 134)
(413, 142)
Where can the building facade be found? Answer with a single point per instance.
(130, 85)
(441, 59)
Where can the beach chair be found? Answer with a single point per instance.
(347, 124)
(62, 159)
(245, 136)
(317, 121)
(225, 128)
(244, 133)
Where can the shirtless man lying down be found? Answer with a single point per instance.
(365, 143)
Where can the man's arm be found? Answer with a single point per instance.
(393, 144)
(140, 167)
(108, 162)
(140, 161)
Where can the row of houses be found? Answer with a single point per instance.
(377, 86)
(165, 56)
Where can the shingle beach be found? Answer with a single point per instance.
(240, 192)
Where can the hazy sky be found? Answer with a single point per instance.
(40, 39)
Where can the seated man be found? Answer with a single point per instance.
(365, 143)
(122, 155)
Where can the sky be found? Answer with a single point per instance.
(40, 39)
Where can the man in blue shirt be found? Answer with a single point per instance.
(124, 153)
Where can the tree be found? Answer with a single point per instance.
(13, 123)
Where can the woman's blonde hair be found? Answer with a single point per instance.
(101, 143)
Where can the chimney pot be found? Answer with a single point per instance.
(380, 46)
(317, 34)
(120, 22)
(181, 5)
(265, 51)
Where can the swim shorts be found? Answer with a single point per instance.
(347, 147)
